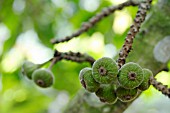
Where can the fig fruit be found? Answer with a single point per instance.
(105, 70)
(145, 84)
(28, 68)
(43, 77)
(87, 80)
(106, 93)
(130, 75)
(126, 95)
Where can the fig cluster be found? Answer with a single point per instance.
(110, 83)
(42, 77)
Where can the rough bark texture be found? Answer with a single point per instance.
(156, 27)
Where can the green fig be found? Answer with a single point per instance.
(28, 68)
(87, 80)
(106, 93)
(130, 75)
(145, 84)
(105, 70)
(43, 77)
(126, 95)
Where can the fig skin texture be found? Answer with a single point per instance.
(130, 75)
(43, 78)
(126, 95)
(28, 68)
(106, 93)
(87, 80)
(105, 70)
(145, 84)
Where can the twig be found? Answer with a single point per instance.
(92, 21)
(160, 87)
(53, 61)
(134, 29)
(76, 57)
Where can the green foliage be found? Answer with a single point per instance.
(65, 77)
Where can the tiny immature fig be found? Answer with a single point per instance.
(126, 95)
(43, 77)
(145, 84)
(130, 75)
(87, 80)
(28, 68)
(106, 93)
(105, 70)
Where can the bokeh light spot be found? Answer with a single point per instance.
(18, 6)
(121, 22)
(90, 5)
(20, 95)
(11, 61)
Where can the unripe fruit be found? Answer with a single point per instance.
(145, 84)
(130, 75)
(126, 95)
(87, 80)
(106, 93)
(43, 77)
(104, 70)
(28, 68)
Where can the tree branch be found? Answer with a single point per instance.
(76, 57)
(92, 21)
(134, 29)
(160, 87)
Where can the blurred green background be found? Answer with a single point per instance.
(26, 28)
